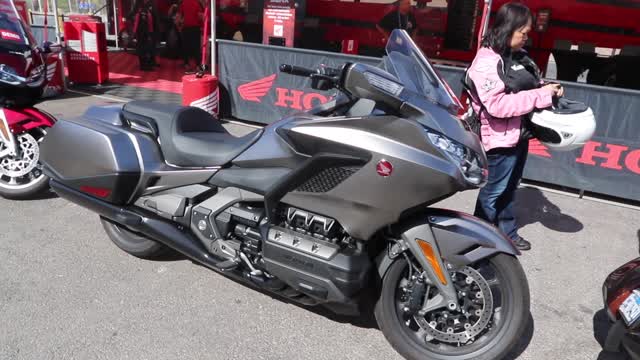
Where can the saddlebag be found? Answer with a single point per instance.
(97, 155)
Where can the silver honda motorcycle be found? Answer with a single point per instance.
(329, 207)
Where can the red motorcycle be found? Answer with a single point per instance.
(23, 77)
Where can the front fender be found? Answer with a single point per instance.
(20, 120)
(461, 238)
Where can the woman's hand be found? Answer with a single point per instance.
(555, 89)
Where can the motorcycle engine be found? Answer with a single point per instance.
(241, 224)
(304, 255)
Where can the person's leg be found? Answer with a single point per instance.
(184, 46)
(153, 46)
(501, 165)
(197, 43)
(140, 51)
(190, 39)
(506, 212)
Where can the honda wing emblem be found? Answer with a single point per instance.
(256, 90)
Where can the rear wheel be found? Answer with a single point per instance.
(492, 313)
(21, 175)
(135, 244)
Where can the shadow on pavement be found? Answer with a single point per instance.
(365, 320)
(601, 326)
(534, 207)
(524, 342)
(45, 195)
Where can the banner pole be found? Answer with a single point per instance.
(58, 37)
(212, 25)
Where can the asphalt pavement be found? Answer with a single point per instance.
(66, 292)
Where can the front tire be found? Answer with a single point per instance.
(501, 335)
(132, 243)
(21, 177)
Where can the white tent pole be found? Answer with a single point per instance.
(212, 26)
(58, 38)
(115, 22)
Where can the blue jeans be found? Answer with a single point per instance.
(495, 202)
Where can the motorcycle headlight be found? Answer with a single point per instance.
(9, 75)
(467, 160)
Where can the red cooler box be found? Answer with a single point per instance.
(201, 92)
(86, 56)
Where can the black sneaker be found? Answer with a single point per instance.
(522, 244)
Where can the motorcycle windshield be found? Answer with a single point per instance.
(13, 34)
(415, 72)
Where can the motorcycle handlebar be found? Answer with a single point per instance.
(296, 70)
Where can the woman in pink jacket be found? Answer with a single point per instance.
(501, 104)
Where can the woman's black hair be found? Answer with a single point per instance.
(510, 17)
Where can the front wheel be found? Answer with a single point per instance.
(492, 314)
(21, 175)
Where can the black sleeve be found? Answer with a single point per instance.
(390, 21)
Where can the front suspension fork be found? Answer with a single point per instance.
(7, 137)
(427, 254)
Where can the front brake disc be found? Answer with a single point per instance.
(473, 314)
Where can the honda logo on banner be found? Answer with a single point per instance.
(256, 90)
(606, 156)
(610, 156)
(539, 149)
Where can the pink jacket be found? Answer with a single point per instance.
(501, 126)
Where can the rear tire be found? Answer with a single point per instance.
(132, 243)
(499, 340)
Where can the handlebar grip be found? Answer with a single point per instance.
(296, 70)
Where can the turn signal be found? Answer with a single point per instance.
(614, 305)
(428, 252)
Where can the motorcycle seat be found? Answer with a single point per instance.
(188, 136)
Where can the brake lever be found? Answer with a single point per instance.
(323, 82)
(322, 77)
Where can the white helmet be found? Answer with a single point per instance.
(568, 125)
